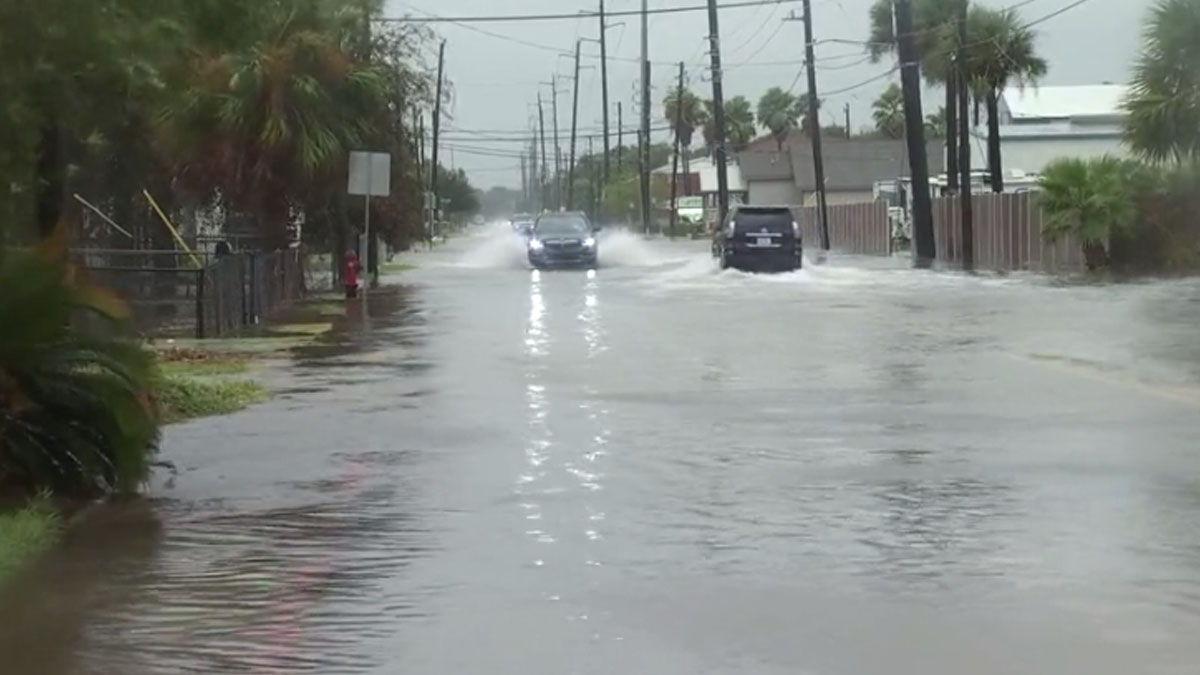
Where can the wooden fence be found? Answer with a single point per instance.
(853, 228)
(1008, 235)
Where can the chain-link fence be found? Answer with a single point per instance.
(202, 295)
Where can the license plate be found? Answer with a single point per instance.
(763, 241)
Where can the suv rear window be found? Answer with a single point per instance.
(778, 221)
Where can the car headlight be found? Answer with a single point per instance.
(536, 245)
(589, 242)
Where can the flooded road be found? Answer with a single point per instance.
(654, 467)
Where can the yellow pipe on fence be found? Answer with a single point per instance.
(171, 229)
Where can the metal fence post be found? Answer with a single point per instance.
(200, 303)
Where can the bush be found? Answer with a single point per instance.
(1093, 200)
(26, 533)
(75, 411)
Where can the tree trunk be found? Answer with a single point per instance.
(995, 163)
(951, 135)
(1095, 255)
(51, 178)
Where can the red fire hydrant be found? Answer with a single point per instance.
(352, 270)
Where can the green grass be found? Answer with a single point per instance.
(185, 397)
(208, 367)
(27, 533)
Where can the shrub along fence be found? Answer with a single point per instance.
(1008, 235)
(169, 295)
(853, 228)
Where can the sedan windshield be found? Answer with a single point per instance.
(563, 225)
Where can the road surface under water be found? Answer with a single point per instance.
(656, 467)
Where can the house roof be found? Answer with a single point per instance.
(1042, 103)
(759, 166)
(856, 164)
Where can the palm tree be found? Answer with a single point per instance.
(888, 112)
(1002, 53)
(1163, 106)
(935, 35)
(272, 124)
(685, 112)
(739, 121)
(740, 128)
(1092, 200)
(781, 112)
(76, 415)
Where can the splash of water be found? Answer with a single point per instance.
(622, 248)
(495, 246)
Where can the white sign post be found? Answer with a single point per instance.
(370, 176)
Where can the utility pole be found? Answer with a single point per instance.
(604, 84)
(595, 180)
(849, 133)
(534, 177)
(675, 155)
(557, 145)
(914, 121)
(714, 41)
(814, 125)
(964, 141)
(524, 180)
(620, 139)
(437, 124)
(645, 129)
(574, 129)
(545, 165)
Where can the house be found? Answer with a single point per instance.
(852, 168)
(1039, 125)
(702, 178)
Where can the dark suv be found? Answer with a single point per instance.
(759, 239)
(561, 240)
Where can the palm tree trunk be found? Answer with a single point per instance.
(951, 135)
(994, 159)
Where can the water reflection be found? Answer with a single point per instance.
(539, 438)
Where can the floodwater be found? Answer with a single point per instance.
(656, 467)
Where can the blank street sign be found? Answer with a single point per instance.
(370, 174)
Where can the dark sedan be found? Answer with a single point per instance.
(562, 240)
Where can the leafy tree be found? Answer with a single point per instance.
(1092, 200)
(935, 123)
(459, 198)
(888, 112)
(781, 112)
(1003, 53)
(1163, 106)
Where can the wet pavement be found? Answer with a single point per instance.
(654, 467)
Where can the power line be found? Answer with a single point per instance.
(931, 29)
(581, 14)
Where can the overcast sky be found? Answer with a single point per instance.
(496, 75)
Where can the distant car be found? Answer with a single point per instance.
(565, 239)
(522, 224)
(759, 239)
